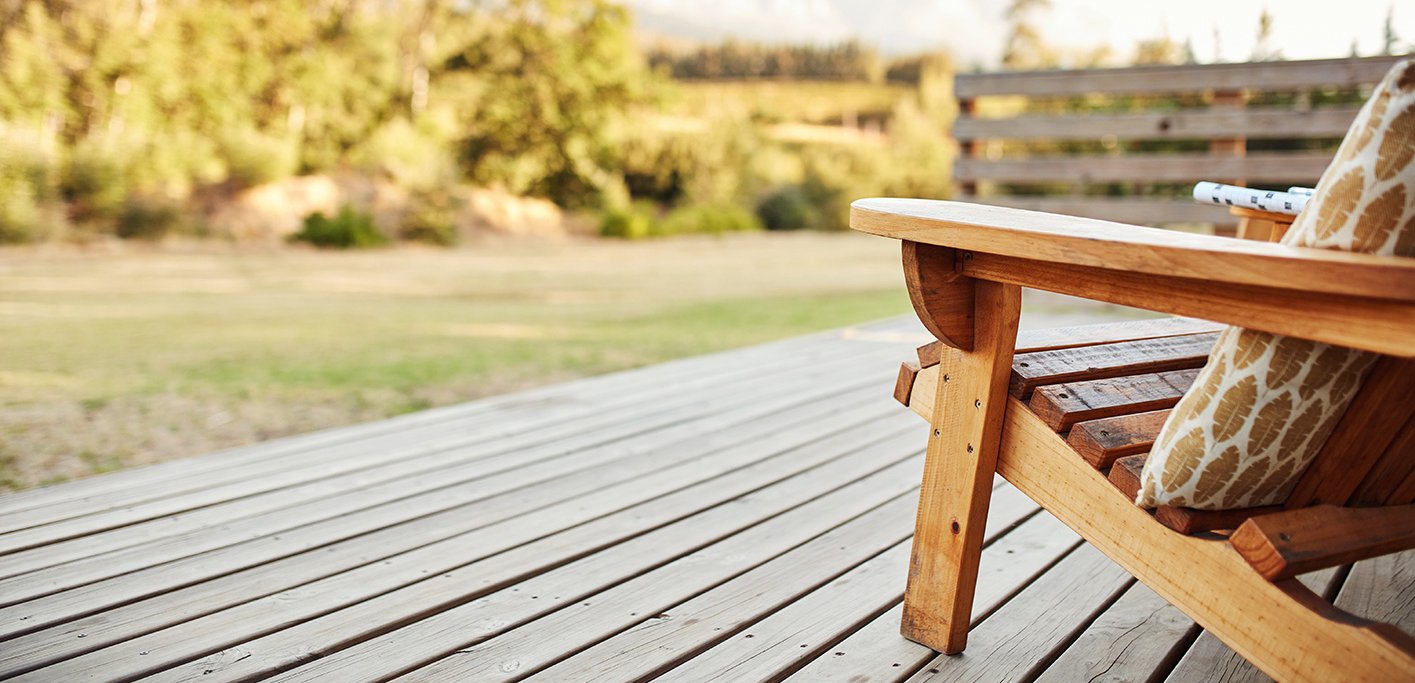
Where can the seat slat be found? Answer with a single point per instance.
(1101, 442)
(1063, 405)
(1032, 370)
(1029, 341)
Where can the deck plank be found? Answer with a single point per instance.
(406, 553)
(740, 516)
(750, 610)
(1137, 636)
(477, 478)
(1026, 633)
(856, 509)
(876, 652)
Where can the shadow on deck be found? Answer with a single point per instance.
(740, 516)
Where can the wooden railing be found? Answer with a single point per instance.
(1224, 119)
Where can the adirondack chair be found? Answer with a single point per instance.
(1066, 418)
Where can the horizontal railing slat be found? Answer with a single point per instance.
(1299, 167)
(1201, 124)
(1266, 76)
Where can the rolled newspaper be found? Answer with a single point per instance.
(1248, 198)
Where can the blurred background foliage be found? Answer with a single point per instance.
(143, 119)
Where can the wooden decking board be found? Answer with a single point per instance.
(1380, 588)
(435, 544)
(819, 527)
(763, 650)
(1137, 636)
(1027, 632)
(764, 492)
(453, 590)
(454, 516)
(516, 468)
(83, 496)
(757, 604)
(531, 399)
(876, 652)
(587, 396)
(773, 484)
(510, 436)
(1208, 659)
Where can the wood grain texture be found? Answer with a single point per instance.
(1192, 521)
(1025, 634)
(1208, 659)
(1286, 167)
(1029, 341)
(1383, 406)
(1101, 442)
(904, 383)
(1369, 324)
(876, 653)
(1063, 405)
(958, 473)
(1278, 75)
(1392, 480)
(1283, 545)
(1131, 640)
(1125, 475)
(1382, 589)
(942, 298)
(1102, 361)
(1147, 211)
(1258, 123)
(1051, 238)
(1207, 579)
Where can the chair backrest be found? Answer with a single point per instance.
(1369, 458)
(1223, 107)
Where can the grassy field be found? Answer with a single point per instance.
(109, 360)
(801, 101)
(118, 358)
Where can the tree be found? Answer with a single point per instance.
(1388, 35)
(555, 78)
(1025, 48)
(1263, 51)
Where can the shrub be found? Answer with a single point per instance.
(431, 218)
(96, 178)
(148, 218)
(631, 222)
(19, 212)
(788, 209)
(349, 229)
(255, 158)
(413, 156)
(707, 218)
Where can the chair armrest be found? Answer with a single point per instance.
(1357, 300)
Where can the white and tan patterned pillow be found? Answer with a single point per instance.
(1263, 406)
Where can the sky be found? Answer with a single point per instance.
(974, 30)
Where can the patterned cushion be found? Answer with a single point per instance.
(1263, 406)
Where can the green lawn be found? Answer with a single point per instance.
(113, 359)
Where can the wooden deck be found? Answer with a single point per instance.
(741, 516)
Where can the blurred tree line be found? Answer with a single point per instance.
(122, 116)
(848, 61)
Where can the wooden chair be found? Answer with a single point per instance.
(1052, 413)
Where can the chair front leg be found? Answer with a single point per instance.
(962, 457)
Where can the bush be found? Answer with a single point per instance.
(254, 158)
(713, 219)
(19, 212)
(632, 222)
(349, 229)
(148, 218)
(431, 219)
(788, 209)
(96, 180)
